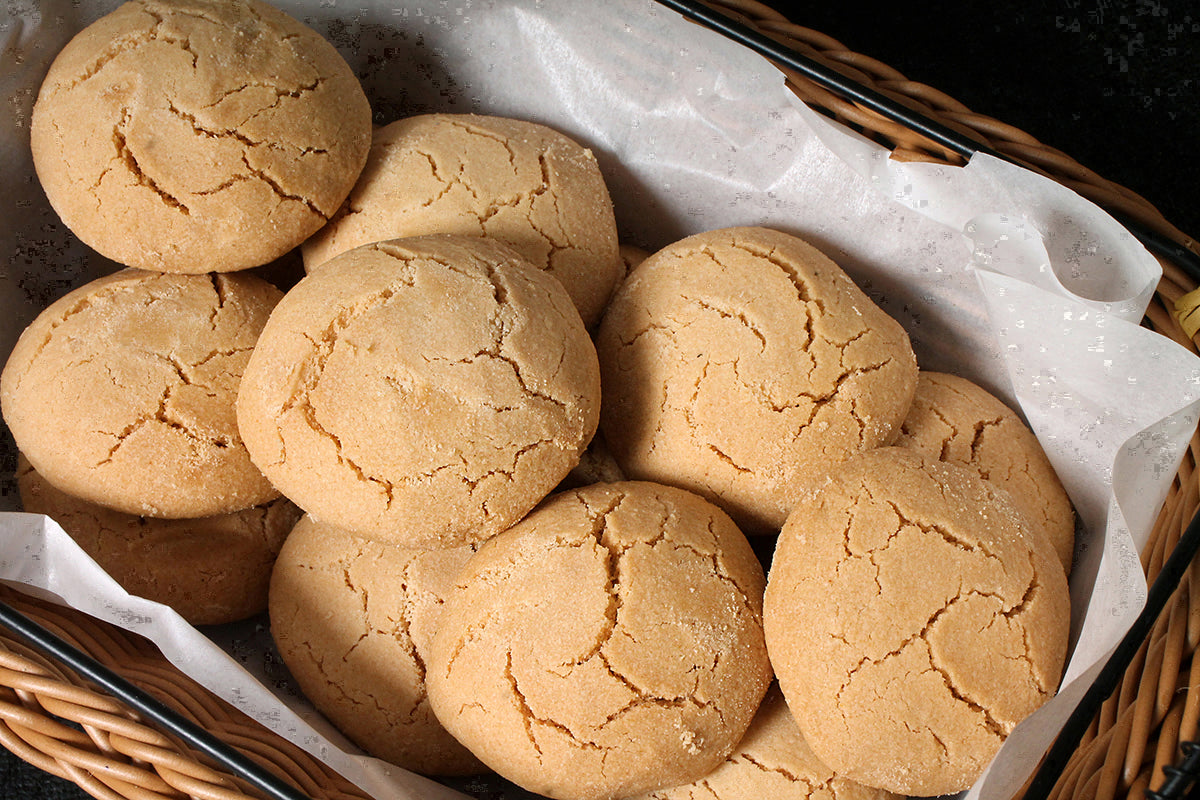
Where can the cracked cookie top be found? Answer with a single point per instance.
(608, 644)
(956, 420)
(428, 391)
(522, 183)
(123, 392)
(352, 619)
(913, 619)
(772, 761)
(211, 570)
(198, 136)
(740, 363)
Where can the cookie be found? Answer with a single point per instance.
(198, 136)
(740, 363)
(518, 182)
(772, 761)
(379, 407)
(608, 644)
(631, 257)
(122, 392)
(913, 618)
(596, 465)
(211, 570)
(956, 420)
(352, 619)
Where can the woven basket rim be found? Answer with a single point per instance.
(108, 752)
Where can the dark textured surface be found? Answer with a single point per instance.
(1114, 83)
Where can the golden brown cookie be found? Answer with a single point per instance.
(608, 644)
(772, 761)
(198, 135)
(352, 619)
(739, 363)
(122, 392)
(519, 182)
(379, 407)
(596, 465)
(211, 570)
(959, 421)
(913, 618)
(631, 257)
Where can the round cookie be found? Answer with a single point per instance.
(352, 619)
(956, 420)
(518, 182)
(741, 362)
(198, 135)
(211, 570)
(772, 761)
(913, 618)
(379, 407)
(123, 392)
(608, 644)
(596, 465)
(631, 257)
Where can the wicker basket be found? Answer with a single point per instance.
(54, 720)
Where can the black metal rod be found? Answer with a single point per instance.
(1110, 674)
(147, 705)
(888, 108)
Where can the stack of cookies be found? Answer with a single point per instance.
(511, 490)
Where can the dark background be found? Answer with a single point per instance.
(1114, 83)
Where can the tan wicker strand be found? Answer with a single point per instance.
(292, 765)
(1108, 714)
(1193, 620)
(34, 719)
(1165, 753)
(1144, 705)
(1173, 654)
(182, 774)
(1122, 698)
(879, 72)
(1135, 710)
(15, 743)
(1189, 721)
(750, 9)
(191, 707)
(1173, 508)
(934, 99)
(1139, 788)
(113, 650)
(111, 724)
(95, 785)
(1083, 763)
(799, 36)
(178, 758)
(166, 756)
(134, 792)
(95, 763)
(204, 791)
(43, 687)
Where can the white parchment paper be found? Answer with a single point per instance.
(998, 275)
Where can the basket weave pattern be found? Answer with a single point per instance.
(51, 719)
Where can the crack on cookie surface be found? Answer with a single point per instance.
(127, 157)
